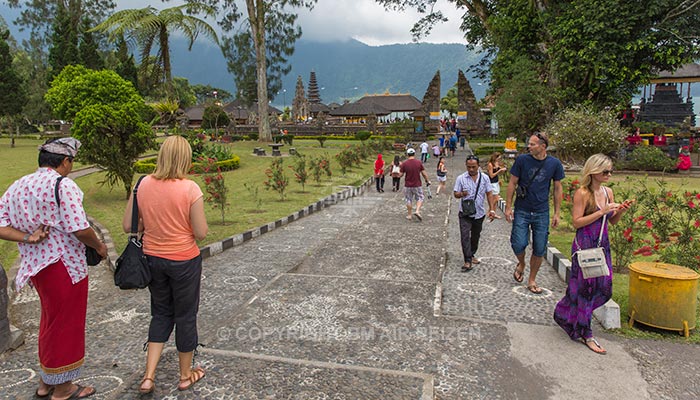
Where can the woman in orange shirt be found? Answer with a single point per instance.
(171, 218)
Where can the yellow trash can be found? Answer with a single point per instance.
(663, 296)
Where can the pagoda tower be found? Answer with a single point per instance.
(313, 94)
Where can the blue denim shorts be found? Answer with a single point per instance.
(523, 222)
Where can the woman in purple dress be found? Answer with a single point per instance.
(591, 202)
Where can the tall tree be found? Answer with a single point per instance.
(38, 17)
(63, 49)
(126, 66)
(88, 46)
(12, 91)
(267, 36)
(149, 28)
(597, 51)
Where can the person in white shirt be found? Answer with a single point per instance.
(424, 147)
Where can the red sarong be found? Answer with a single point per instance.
(62, 326)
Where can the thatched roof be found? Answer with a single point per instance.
(393, 102)
(686, 73)
(195, 113)
(315, 108)
(359, 110)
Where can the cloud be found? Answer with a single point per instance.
(370, 23)
(339, 20)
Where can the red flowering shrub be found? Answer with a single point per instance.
(214, 185)
(276, 179)
(662, 224)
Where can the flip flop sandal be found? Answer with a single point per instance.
(467, 268)
(420, 217)
(78, 391)
(47, 395)
(150, 389)
(535, 289)
(590, 341)
(196, 374)
(518, 275)
(476, 261)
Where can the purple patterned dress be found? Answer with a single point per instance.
(573, 312)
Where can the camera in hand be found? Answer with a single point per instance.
(521, 192)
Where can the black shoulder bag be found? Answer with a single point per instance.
(521, 190)
(91, 255)
(469, 205)
(132, 271)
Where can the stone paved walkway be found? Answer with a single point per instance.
(356, 302)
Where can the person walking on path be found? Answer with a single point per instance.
(171, 217)
(51, 239)
(395, 174)
(424, 147)
(472, 186)
(436, 150)
(495, 168)
(379, 173)
(441, 173)
(530, 178)
(453, 144)
(412, 169)
(592, 201)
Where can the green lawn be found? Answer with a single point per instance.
(107, 206)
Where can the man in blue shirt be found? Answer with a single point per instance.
(530, 179)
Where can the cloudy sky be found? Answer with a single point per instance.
(363, 20)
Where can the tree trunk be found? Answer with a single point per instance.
(12, 140)
(256, 15)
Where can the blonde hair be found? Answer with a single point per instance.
(174, 159)
(494, 157)
(595, 164)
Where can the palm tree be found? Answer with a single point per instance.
(147, 27)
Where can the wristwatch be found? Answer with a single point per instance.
(25, 239)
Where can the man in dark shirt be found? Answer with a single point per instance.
(412, 169)
(533, 172)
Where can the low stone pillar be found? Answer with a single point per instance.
(4, 320)
(10, 337)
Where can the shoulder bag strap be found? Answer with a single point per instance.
(135, 209)
(536, 172)
(602, 225)
(476, 192)
(55, 192)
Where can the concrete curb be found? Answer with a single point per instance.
(608, 314)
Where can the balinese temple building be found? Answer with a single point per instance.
(399, 105)
(666, 104)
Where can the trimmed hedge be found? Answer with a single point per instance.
(148, 165)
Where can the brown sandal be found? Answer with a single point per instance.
(195, 375)
(150, 389)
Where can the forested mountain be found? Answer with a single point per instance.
(343, 69)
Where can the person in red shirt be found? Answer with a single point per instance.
(412, 169)
(684, 162)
